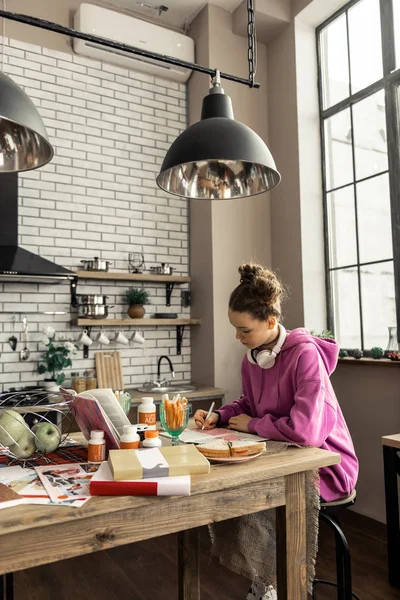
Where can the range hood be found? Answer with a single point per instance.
(17, 264)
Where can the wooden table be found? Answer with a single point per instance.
(36, 535)
(391, 464)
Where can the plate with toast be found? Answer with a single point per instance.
(224, 451)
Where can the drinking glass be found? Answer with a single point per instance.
(136, 262)
(175, 420)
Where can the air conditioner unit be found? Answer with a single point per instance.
(125, 29)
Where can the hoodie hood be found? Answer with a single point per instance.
(327, 348)
(18, 264)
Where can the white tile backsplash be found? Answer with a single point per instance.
(110, 128)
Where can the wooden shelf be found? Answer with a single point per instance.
(134, 277)
(133, 322)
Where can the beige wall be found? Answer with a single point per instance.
(369, 395)
(234, 230)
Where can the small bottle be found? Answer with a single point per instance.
(130, 438)
(147, 412)
(96, 446)
(151, 439)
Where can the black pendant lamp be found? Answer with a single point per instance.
(24, 143)
(217, 157)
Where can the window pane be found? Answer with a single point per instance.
(365, 44)
(338, 154)
(378, 303)
(370, 147)
(396, 19)
(342, 227)
(335, 62)
(374, 219)
(346, 308)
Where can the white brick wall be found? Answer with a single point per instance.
(110, 128)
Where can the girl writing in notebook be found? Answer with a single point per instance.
(287, 394)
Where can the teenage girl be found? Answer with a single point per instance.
(287, 394)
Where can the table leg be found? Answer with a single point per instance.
(291, 541)
(391, 462)
(189, 564)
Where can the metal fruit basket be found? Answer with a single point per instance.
(33, 426)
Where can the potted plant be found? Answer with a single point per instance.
(55, 359)
(135, 298)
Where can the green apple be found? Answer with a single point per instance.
(47, 436)
(25, 446)
(12, 426)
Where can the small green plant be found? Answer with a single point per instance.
(56, 358)
(136, 296)
(325, 333)
(377, 352)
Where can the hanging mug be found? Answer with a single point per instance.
(137, 338)
(121, 338)
(83, 339)
(102, 338)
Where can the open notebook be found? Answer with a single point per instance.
(100, 410)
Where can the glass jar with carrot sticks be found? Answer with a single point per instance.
(174, 416)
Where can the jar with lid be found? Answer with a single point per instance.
(90, 379)
(78, 382)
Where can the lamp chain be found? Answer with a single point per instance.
(252, 42)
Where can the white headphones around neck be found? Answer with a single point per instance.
(266, 358)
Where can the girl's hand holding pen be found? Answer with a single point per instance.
(200, 419)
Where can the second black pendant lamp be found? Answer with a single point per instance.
(218, 157)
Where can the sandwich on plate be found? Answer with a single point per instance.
(225, 449)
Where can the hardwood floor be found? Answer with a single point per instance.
(147, 570)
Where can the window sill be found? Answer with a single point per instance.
(381, 362)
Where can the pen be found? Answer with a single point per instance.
(208, 414)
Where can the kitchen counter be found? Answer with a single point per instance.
(201, 398)
(203, 392)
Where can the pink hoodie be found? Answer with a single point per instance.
(294, 401)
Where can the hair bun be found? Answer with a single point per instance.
(250, 272)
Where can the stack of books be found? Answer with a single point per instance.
(149, 472)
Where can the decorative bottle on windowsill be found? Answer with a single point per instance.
(393, 350)
(135, 298)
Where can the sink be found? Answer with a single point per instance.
(175, 388)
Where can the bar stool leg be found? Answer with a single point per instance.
(390, 463)
(9, 585)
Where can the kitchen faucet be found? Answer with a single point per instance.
(159, 382)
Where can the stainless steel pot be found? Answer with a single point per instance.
(91, 299)
(96, 264)
(165, 269)
(93, 311)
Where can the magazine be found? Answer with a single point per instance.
(98, 410)
(26, 487)
(68, 483)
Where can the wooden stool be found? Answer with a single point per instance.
(328, 513)
(391, 465)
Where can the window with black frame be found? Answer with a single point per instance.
(359, 82)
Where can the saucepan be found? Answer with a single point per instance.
(164, 269)
(91, 299)
(96, 264)
(94, 311)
